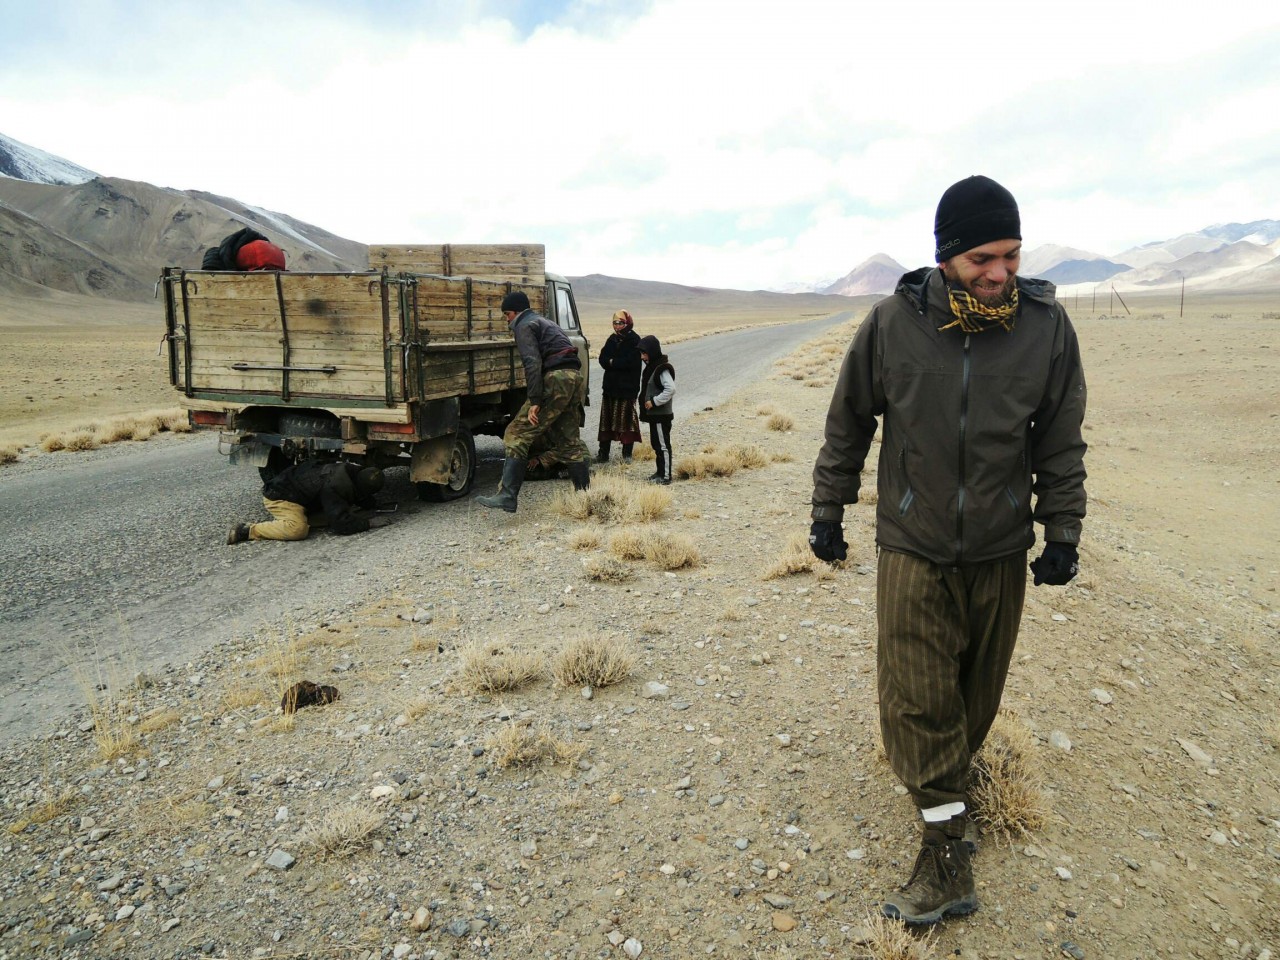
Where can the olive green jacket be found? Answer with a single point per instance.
(976, 426)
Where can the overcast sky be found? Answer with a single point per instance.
(735, 144)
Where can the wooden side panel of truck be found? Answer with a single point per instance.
(375, 367)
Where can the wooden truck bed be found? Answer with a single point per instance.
(357, 341)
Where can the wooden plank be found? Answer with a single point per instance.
(352, 287)
(510, 261)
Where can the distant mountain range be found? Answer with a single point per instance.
(67, 230)
(1228, 256)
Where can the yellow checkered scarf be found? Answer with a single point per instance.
(974, 317)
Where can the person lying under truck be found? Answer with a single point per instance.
(337, 489)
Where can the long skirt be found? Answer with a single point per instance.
(619, 420)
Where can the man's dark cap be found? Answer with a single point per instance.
(975, 211)
(516, 300)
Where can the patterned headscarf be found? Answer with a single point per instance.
(625, 318)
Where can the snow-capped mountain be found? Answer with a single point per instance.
(22, 162)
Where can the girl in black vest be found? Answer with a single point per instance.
(620, 357)
(657, 388)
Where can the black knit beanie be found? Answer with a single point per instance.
(516, 300)
(974, 211)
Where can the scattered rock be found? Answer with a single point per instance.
(280, 860)
(304, 693)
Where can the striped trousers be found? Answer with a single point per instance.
(946, 638)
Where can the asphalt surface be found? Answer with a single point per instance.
(115, 561)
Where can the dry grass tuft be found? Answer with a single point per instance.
(628, 544)
(614, 498)
(9, 454)
(584, 538)
(495, 667)
(672, 551)
(704, 465)
(593, 660)
(44, 812)
(891, 940)
(519, 745)
(666, 551)
(643, 453)
(732, 613)
(82, 440)
(1006, 783)
(748, 456)
(113, 431)
(606, 570)
(52, 443)
(765, 410)
(718, 461)
(159, 720)
(796, 558)
(780, 422)
(782, 456)
(343, 831)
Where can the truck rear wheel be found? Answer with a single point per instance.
(462, 471)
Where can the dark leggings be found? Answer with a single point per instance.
(660, 440)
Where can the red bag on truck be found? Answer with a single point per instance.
(260, 255)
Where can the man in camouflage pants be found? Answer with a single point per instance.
(553, 376)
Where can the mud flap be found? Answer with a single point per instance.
(432, 460)
(253, 453)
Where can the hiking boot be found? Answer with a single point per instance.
(513, 470)
(580, 474)
(665, 481)
(603, 455)
(941, 884)
(238, 534)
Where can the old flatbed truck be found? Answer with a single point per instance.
(404, 363)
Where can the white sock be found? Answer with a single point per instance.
(943, 813)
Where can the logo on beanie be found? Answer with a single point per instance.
(948, 245)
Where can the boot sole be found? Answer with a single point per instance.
(484, 502)
(956, 908)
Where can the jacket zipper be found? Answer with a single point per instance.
(964, 416)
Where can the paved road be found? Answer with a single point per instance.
(115, 561)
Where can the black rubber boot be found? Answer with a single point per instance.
(626, 452)
(603, 455)
(509, 488)
(580, 474)
(238, 534)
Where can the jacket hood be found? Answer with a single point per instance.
(652, 347)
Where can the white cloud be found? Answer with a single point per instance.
(745, 144)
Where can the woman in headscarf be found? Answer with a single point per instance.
(620, 357)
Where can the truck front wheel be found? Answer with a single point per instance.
(462, 471)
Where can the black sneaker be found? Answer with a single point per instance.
(941, 884)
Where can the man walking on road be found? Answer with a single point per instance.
(553, 376)
(337, 488)
(976, 375)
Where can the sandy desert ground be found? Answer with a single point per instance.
(746, 811)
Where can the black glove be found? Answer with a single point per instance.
(1058, 564)
(826, 540)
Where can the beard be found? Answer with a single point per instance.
(985, 294)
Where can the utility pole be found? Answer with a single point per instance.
(1182, 299)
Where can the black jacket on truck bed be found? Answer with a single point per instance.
(405, 362)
